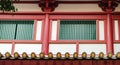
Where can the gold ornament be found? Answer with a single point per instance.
(24, 55)
(16, 55)
(58, 55)
(101, 55)
(75, 55)
(92, 55)
(33, 55)
(50, 55)
(41, 55)
(118, 55)
(67, 55)
(110, 55)
(7, 55)
(84, 55)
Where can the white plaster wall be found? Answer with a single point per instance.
(5, 48)
(79, 0)
(78, 8)
(28, 7)
(29, 0)
(116, 30)
(28, 48)
(63, 48)
(116, 48)
(39, 30)
(54, 30)
(88, 48)
(101, 30)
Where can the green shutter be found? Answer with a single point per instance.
(77, 30)
(7, 30)
(24, 30)
(16, 29)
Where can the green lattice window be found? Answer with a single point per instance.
(16, 29)
(77, 30)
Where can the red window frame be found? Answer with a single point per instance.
(78, 17)
(116, 17)
(23, 17)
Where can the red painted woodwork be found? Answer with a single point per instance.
(35, 29)
(58, 29)
(77, 47)
(21, 41)
(109, 34)
(80, 41)
(45, 41)
(119, 28)
(78, 17)
(59, 62)
(97, 29)
(13, 48)
(21, 17)
(56, 13)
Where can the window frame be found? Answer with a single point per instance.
(35, 18)
(78, 17)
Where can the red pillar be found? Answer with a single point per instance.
(45, 40)
(109, 44)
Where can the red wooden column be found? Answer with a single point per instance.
(109, 6)
(109, 33)
(45, 40)
(47, 6)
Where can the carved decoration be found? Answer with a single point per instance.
(108, 6)
(48, 6)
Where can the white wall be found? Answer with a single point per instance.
(28, 8)
(5, 48)
(28, 48)
(78, 8)
(63, 48)
(116, 30)
(116, 48)
(88, 48)
(54, 30)
(101, 30)
(39, 30)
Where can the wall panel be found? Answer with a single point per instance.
(54, 30)
(116, 31)
(63, 48)
(28, 48)
(88, 48)
(5, 48)
(39, 30)
(101, 30)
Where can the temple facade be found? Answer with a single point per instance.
(61, 26)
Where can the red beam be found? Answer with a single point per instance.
(45, 40)
(58, 13)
